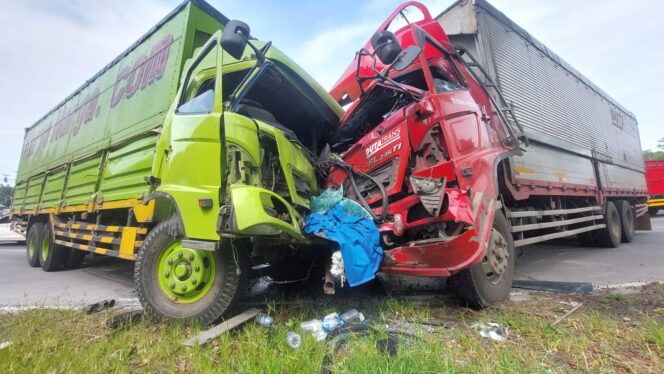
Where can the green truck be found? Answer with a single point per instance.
(190, 154)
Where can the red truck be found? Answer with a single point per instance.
(468, 143)
(655, 180)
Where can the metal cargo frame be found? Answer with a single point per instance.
(557, 106)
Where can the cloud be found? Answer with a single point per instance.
(49, 49)
(326, 55)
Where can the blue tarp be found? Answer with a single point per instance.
(358, 239)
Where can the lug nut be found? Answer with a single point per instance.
(179, 254)
(191, 257)
(170, 261)
(193, 281)
(172, 285)
(197, 268)
(183, 288)
(167, 274)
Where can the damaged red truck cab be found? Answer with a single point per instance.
(436, 156)
(437, 147)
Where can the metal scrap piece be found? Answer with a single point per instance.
(221, 328)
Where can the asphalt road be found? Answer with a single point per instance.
(567, 260)
(104, 277)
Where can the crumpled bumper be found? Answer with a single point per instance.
(444, 257)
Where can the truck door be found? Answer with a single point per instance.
(191, 145)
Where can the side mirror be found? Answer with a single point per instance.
(405, 58)
(386, 46)
(234, 38)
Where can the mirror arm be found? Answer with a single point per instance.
(260, 53)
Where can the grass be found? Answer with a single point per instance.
(607, 334)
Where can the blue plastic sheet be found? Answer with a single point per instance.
(358, 240)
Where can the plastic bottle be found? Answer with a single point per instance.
(331, 322)
(352, 315)
(293, 339)
(264, 320)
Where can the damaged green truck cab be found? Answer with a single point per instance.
(255, 122)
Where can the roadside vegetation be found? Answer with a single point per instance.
(610, 332)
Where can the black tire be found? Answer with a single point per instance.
(56, 254)
(610, 235)
(156, 303)
(475, 285)
(74, 258)
(653, 211)
(627, 221)
(32, 242)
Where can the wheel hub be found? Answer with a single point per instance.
(185, 275)
(496, 260)
(45, 248)
(31, 247)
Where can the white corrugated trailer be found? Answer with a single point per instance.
(564, 115)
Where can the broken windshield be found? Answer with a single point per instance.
(277, 96)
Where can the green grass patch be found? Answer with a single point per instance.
(592, 339)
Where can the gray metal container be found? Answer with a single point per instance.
(559, 108)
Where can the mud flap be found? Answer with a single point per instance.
(643, 222)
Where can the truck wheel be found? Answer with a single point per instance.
(178, 283)
(74, 259)
(490, 281)
(627, 221)
(32, 244)
(609, 236)
(653, 211)
(51, 255)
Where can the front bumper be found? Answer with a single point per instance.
(256, 211)
(444, 257)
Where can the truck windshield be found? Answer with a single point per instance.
(278, 97)
(381, 102)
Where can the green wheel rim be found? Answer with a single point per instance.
(185, 275)
(31, 247)
(45, 247)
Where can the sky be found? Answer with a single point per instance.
(49, 48)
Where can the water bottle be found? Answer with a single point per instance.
(316, 324)
(331, 322)
(352, 314)
(264, 320)
(293, 339)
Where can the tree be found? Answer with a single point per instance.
(660, 144)
(653, 155)
(6, 193)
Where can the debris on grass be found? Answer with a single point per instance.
(321, 328)
(99, 306)
(263, 320)
(221, 328)
(583, 288)
(492, 331)
(123, 318)
(569, 313)
(4, 345)
(293, 339)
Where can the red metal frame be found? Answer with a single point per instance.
(655, 177)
